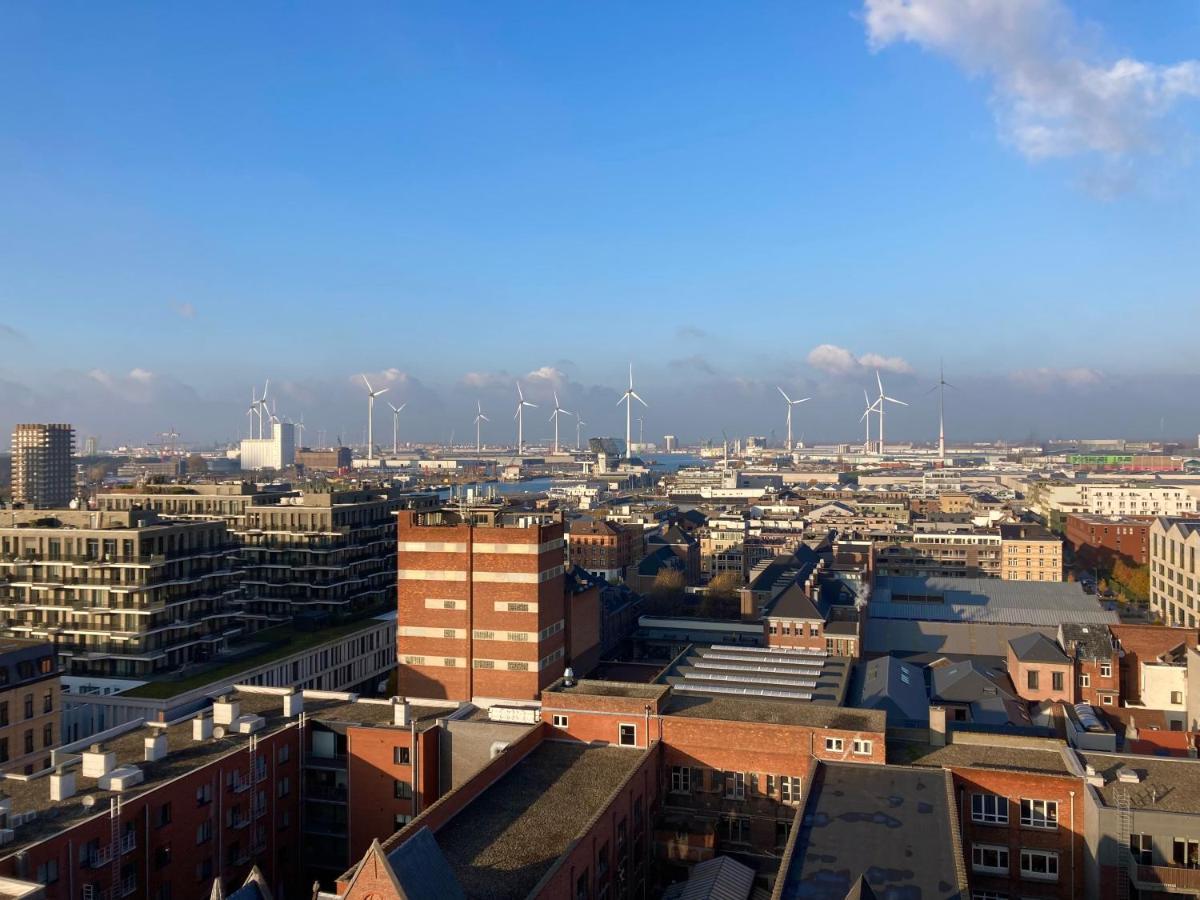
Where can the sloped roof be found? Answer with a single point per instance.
(719, 878)
(1035, 647)
(422, 870)
(861, 890)
(896, 687)
(794, 603)
(254, 888)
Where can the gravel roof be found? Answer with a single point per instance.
(978, 756)
(635, 690)
(502, 844)
(1167, 784)
(775, 712)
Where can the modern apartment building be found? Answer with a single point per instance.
(481, 604)
(300, 551)
(30, 705)
(118, 593)
(1174, 584)
(965, 553)
(1030, 553)
(42, 472)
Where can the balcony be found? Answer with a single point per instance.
(1173, 879)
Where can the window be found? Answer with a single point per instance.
(627, 735)
(285, 753)
(559, 720)
(4, 713)
(835, 745)
(735, 785)
(861, 747)
(164, 815)
(582, 887)
(48, 702)
(47, 735)
(681, 779)
(1186, 853)
(1039, 864)
(1142, 848)
(204, 794)
(1177, 698)
(1031, 679)
(29, 706)
(1105, 670)
(400, 820)
(789, 788)
(402, 790)
(204, 870)
(1039, 813)
(989, 858)
(1107, 700)
(204, 831)
(400, 756)
(1056, 680)
(1085, 680)
(735, 829)
(989, 809)
(29, 741)
(47, 872)
(162, 856)
(285, 786)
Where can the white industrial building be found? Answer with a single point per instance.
(275, 452)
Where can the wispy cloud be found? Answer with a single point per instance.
(690, 332)
(1053, 96)
(835, 360)
(184, 310)
(8, 333)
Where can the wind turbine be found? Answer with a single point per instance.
(941, 388)
(371, 395)
(479, 417)
(790, 404)
(883, 400)
(554, 416)
(520, 417)
(396, 410)
(252, 410)
(866, 417)
(627, 398)
(579, 423)
(300, 432)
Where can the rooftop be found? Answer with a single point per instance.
(505, 841)
(610, 689)
(774, 712)
(1164, 784)
(774, 673)
(988, 600)
(903, 815)
(1026, 757)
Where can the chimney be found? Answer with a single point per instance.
(156, 747)
(293, 704)
(62, 785)
(226, 710)
(937, 726)
(97, 763)
(401, 712)
(201, 728)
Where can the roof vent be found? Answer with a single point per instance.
(155, 747)
(293, 704)
(98, 763)
(1127, 775)
(121, 779)
(226, 711)
(62, 785)
(202, 728)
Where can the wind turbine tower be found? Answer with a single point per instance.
(866, 417)
(883, 400)
(940, 387)
(554, 416)
(479, 419)
(396, 410)
(790, 404)
(627, 398)
(371, 395)
(522, 403)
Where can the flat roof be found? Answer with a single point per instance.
(1166, 784)
(772, 673)
(595, 688)
(903, 637)
(774, 712)
(184, 755)
(503, 843)
(901, 815)
(979, 756)
(988, 600)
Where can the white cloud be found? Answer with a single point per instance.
(1046, 379)
(184, 310)
(141, 375)
(837, 360)
(1052, 96)
(548, 374)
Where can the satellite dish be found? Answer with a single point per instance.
(219, 732)
(88, 801)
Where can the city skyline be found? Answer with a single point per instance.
(789, 195)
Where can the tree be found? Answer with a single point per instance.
(1135, 580)
(666, 594)
(724, 586)
(196, 465)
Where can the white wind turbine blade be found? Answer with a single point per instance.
(370, 390)
(484, 418)
(266, 387)
(639, 399)
(894, 400)
(879, 381)
(801, 400)
(785, 396)
(379, 392)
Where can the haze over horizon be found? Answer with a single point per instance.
(452, 197)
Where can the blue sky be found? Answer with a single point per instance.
(195, 199)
